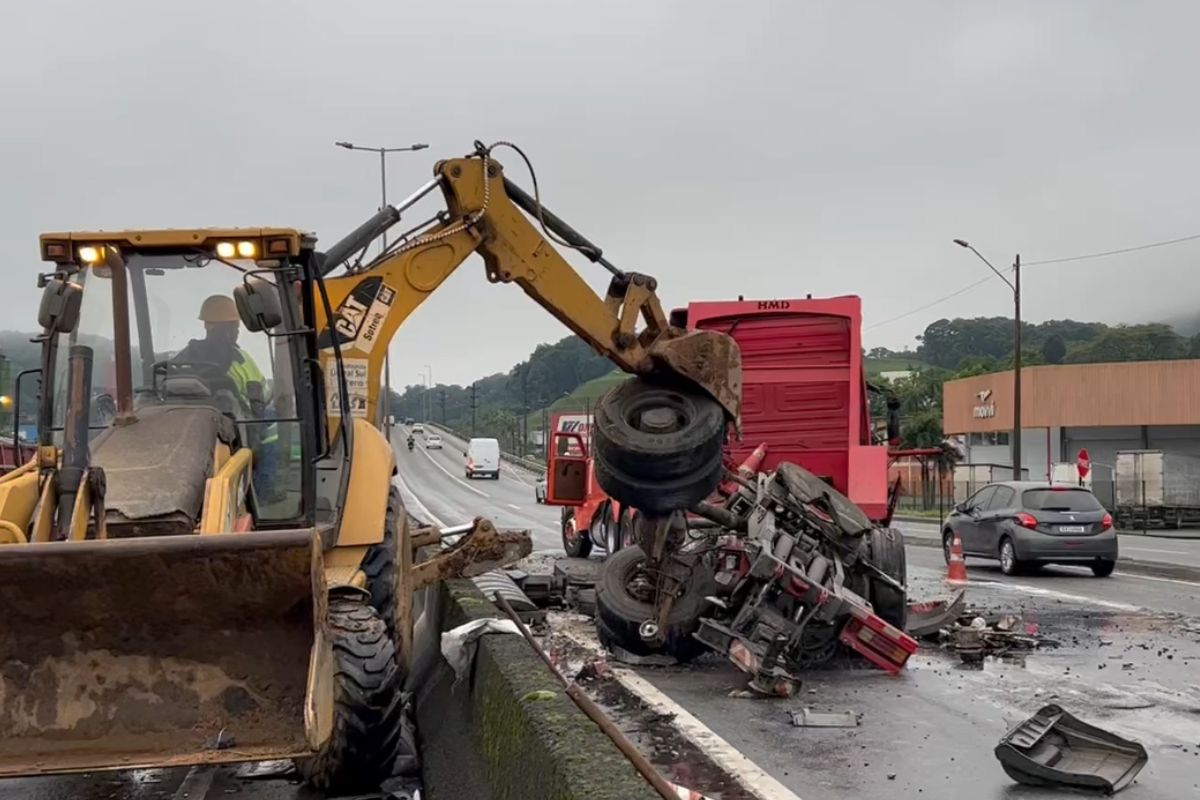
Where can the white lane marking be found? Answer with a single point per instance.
(1154, 550)
(515, 472)
(1074, 570)
(752, 778)
(1042, 591)
(451, 477)
(409, 495)
(196, 784)
(510, 505)
(1156, 578)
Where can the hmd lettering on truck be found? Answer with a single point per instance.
(773, 305)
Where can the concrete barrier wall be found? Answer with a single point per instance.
(507, 731)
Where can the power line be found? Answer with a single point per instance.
(1113, 252)
(1083, 257)
(932, 303)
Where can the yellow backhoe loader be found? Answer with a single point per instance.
(222, 571)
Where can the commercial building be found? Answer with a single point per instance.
(1103, 408)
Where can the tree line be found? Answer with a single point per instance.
(503, 399)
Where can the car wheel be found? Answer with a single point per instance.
(1103, 568)
(1009, 564)
(947, 544)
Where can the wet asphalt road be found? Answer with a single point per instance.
(447, 497)
(1129, 660)
(1120, 666)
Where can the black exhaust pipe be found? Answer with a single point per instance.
(75, 454)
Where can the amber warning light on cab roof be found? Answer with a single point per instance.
(246, 243)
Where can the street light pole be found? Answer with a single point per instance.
(387, 356)
(424, 396)
(1015, 285)
(429, 395)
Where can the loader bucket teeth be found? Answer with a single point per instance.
(159, 651)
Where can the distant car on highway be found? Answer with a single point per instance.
(418, 428)
(409, 420)
(539, 489)
(433, 442)
(1026, 524)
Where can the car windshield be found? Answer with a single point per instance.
(188, 346)
(1060, 499)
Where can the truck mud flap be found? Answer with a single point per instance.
(161, 651)
(1054, 748)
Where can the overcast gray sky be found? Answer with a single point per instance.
(767, 149)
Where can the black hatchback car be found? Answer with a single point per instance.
(1027, 524)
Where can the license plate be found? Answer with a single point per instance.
(1071, 529)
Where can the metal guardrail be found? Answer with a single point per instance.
(524, 463)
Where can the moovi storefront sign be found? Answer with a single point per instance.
(985, 405)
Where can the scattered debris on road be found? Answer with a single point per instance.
(974, 634)
(929, 617)
(1055, 748)
(807, 718)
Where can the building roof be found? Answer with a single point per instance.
(1077, 395)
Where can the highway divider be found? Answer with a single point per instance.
(505, 729)
(535, 467)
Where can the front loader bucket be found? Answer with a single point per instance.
(160, 651)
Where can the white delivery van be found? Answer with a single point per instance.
(483, 458)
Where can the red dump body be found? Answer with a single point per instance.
(804, 395)
(803, 390)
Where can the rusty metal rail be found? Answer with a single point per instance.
(594, 712)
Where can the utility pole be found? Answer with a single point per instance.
(1016, 445)
(524, 413)
(387, 356)
(428, 396)
(473, 409)
(442, 395)
(1015, 286)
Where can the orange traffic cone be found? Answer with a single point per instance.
(956, 569)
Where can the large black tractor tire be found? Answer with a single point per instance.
(619, 614)
(576, 543)
(887, 553)
(368, 705)
(657, 448)
(380, 564)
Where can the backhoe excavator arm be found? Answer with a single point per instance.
(484, 215)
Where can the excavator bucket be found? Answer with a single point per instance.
(161, 651)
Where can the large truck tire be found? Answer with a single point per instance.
(619, 614)
(380, 565)
(656, 447)
(368, 706)
(887, 553)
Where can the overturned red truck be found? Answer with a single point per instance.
(793, 560)
(804, 398)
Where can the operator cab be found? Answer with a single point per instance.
(187, 371)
